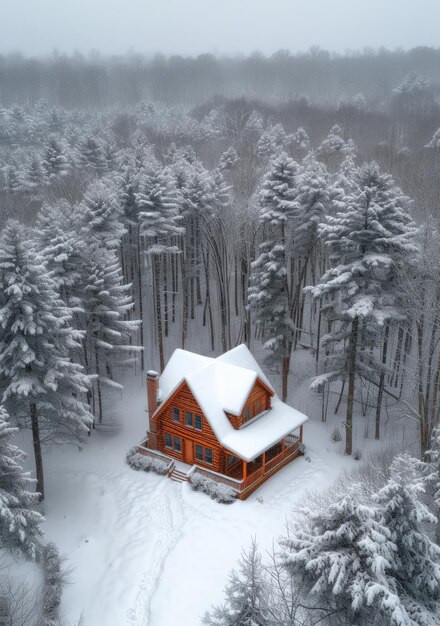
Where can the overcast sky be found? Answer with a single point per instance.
(190, 27)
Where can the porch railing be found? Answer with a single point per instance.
(238, 485)
(155, 454)
(218, 478)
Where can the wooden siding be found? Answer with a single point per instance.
(259, 392)
(184, 400)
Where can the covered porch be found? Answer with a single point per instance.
(248, 472)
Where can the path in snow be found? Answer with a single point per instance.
(146, 551)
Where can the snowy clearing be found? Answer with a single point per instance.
(145, 550)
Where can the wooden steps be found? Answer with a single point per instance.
(178, 476)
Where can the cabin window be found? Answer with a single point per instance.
(257, 407)
(208, 455)
(189, 419)
(199, 453)
(231, 459)
(176, 414)
(247, 414)
(168, 441)
(198, 422)
(177, 444)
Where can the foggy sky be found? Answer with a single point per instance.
(190, 27)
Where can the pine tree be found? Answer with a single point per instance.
(433, 476)
(160, 225)
(246, 595)
(101, 216)
(13, 183)
(268, 297)
(91, 157)
(19, 519)
(35, 175)
(229, 159)
(54, 161)
(342, 558)
(37, 378)
(278, 204)
(369, 240)
(417, 564)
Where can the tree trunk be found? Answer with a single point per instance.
(284, 378)
(141, 307)
(37, 450)
(156, 272)
(351, 381)
(184, 301)
(381, 381)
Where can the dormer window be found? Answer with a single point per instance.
(257, 407)
(175, 414)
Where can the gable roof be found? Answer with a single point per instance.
(223, 385)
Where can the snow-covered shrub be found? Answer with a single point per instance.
(357, 455)
(139, 461)
(54, 580)
(216, 491)
(336, 435)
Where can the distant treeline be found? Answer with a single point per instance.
(95, 81)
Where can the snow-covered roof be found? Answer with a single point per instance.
(223, 385)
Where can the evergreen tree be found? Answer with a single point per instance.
(13, 184)
(91, 157)
(269, 299)
(160, 225)
(278, 205)
(54, 161)
(433, 476)
(369, 240)
(101, 215)
(37, 378)
(35, 175)
(342, 558)
(19, 520)
(246, 595)
(417, 565)
(229, 159)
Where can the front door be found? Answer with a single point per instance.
(189, 452)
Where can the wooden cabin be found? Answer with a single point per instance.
(220, 417)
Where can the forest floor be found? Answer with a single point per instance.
(144, 550)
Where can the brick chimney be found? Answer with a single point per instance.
(152, 391)
(152, 398)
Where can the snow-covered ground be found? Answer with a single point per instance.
(144, 550)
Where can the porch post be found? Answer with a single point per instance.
(282, 445)
(244, 470)
(300, 434)
(264, 458)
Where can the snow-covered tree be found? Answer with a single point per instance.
(35, 175)
(246, 595)
(416, 568)
(278, 205)
(370, 240)
(13, 182)
(229, 159)
(333, 143)
(55, 162)
(19, 519)
(38, 381)
(268, 297)
(160, 226)
(433, 476)
(91, 157)
(342, 558)
(101, 217)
